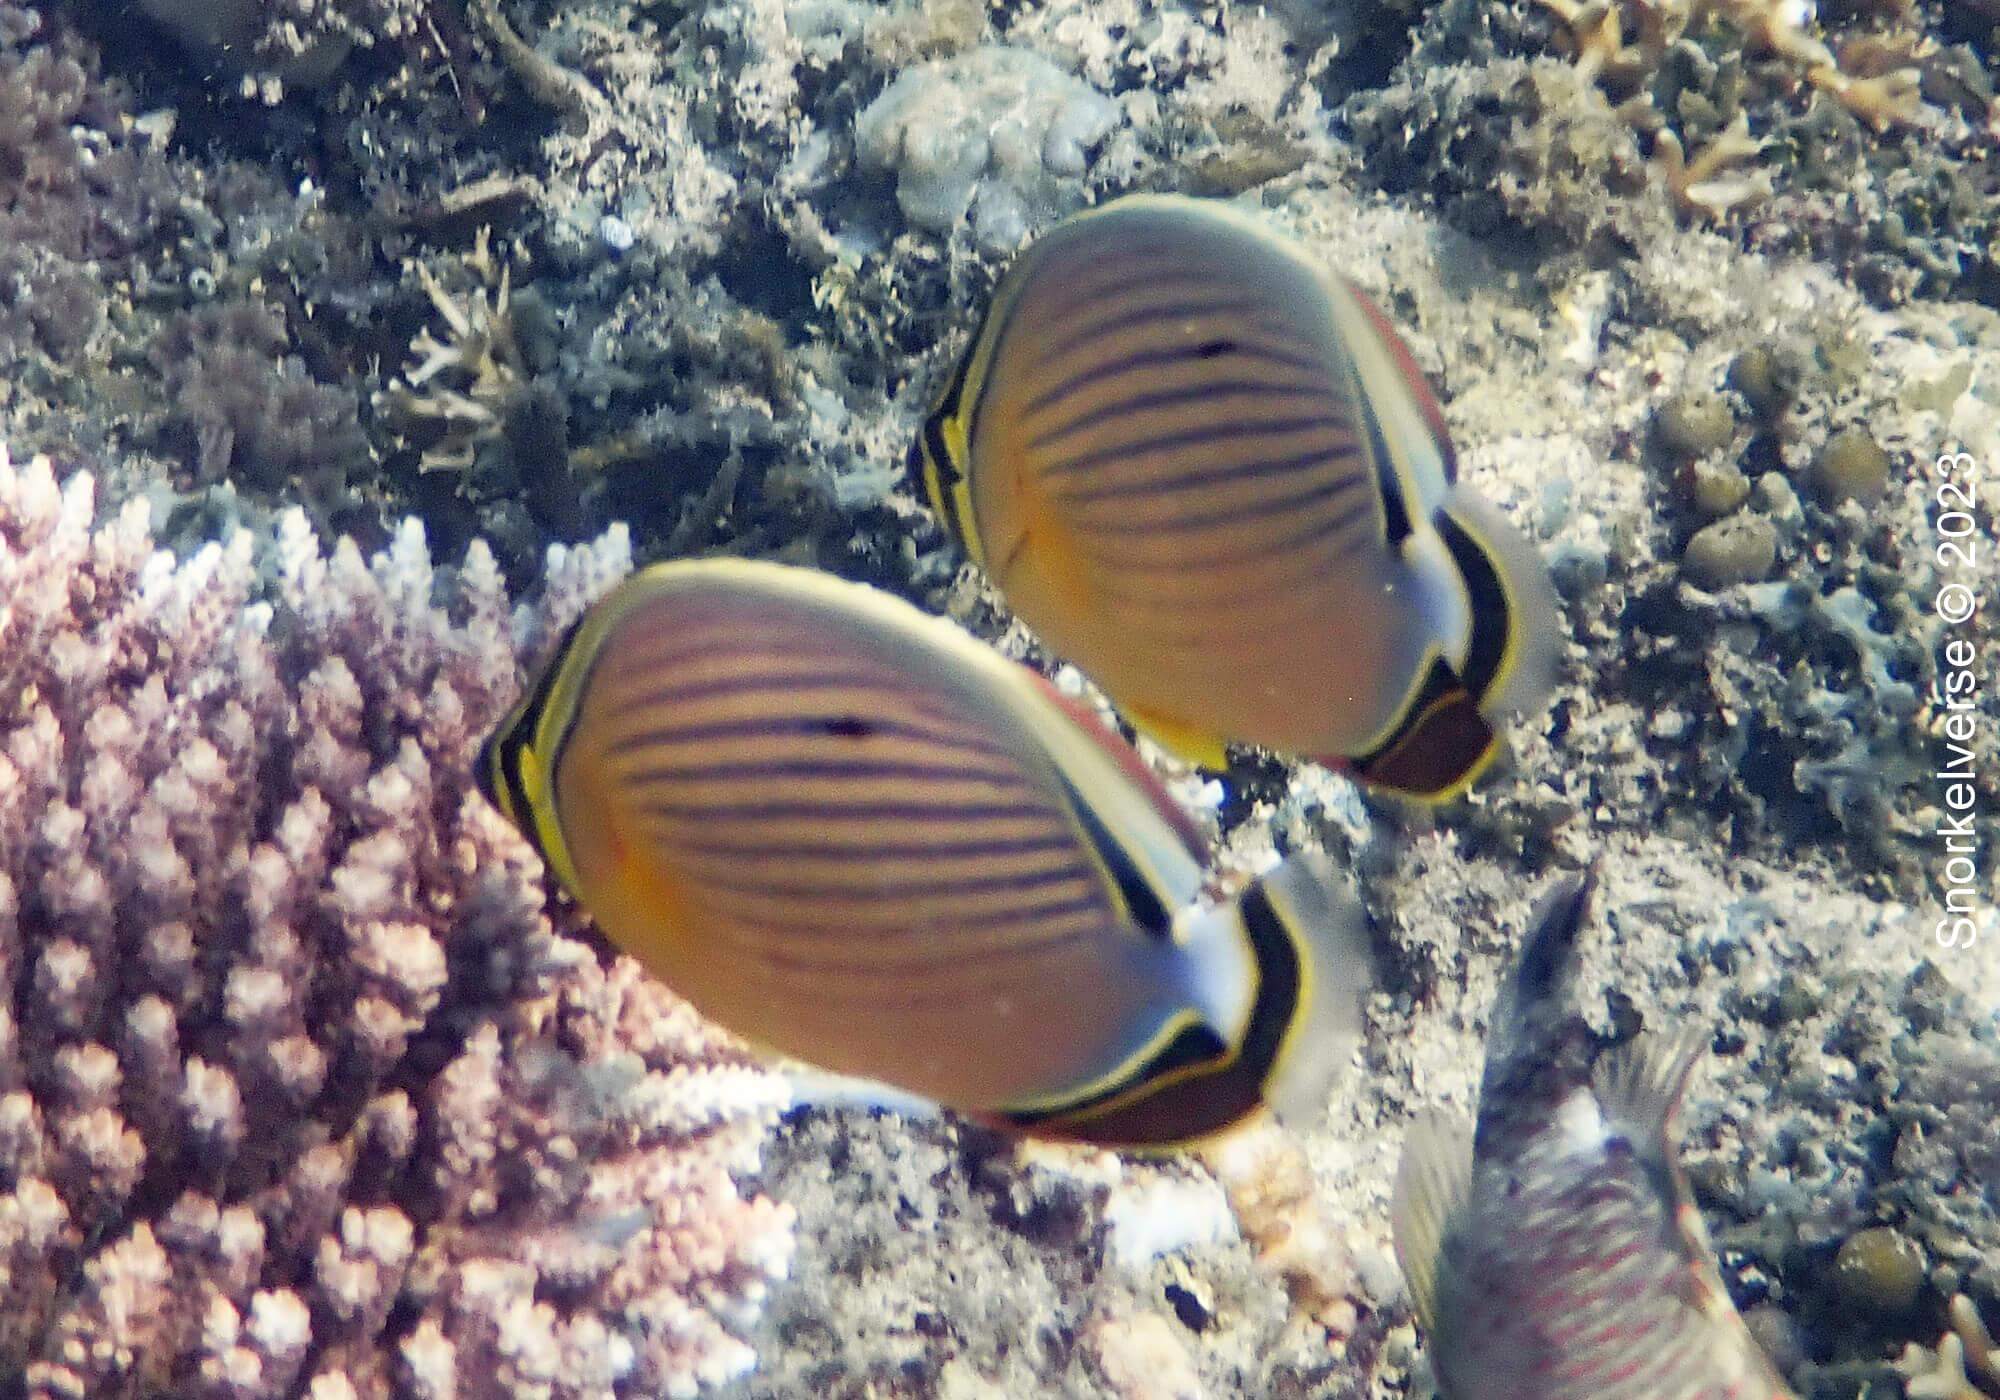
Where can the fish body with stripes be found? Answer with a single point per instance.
(1208, 471)
(1553, 1250)
(853, 834)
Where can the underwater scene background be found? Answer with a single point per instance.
(351, 349)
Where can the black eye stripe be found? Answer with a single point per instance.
(501, 756)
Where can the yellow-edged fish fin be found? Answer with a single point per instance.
(1433, 1183)
(1439, 746)
(1511, 660)
(1335, 968)
(1184, 741)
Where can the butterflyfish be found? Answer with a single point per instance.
(854, 835)
(1208, 471)
(1554, 1251)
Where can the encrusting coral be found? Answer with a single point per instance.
(304, 1087)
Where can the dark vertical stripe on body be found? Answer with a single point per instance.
(1138, 896)
(1177, 477)
(519, 738)
(1395, 510)
(1197, 1085)
(1139, 360)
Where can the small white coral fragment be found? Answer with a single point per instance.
(1278, 1208)
(1964, 1355)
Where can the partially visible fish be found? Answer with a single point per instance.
(1555, 1252)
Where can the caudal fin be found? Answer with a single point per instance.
(1310, 938)
(1516, 640)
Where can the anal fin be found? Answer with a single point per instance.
(1180, 739)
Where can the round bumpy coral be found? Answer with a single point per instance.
(303, 1088)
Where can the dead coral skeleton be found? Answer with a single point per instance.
(548, 83)
(1964, 1366)
(1621, 43)
(1709, 185)
(456, 393)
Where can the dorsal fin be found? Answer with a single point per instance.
(1129, 762)
(1433, 1182)
(1639, 1084)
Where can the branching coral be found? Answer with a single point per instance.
(1622, 43)
(1965, 1365)
(1709, 185)
(456, 393)
(302, 1089)
(1882, 93)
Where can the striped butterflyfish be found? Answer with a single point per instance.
(1208, 471)
(1554, 1250)
(856, 836)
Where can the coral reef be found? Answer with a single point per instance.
(1867, 138)
(1967, 1350)
(306, 1086)
(999, 131)
(254, 415)
(1697, 323)
(270, 42)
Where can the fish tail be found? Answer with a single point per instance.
(1516, 643)
(1310, 942)
(1533, 1007)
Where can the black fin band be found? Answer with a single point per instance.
(1492, 610)
(1196, 1086)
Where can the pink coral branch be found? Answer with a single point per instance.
(312, 1090)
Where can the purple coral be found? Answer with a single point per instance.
(252, 411)
(76, 185)
(304, 1089)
